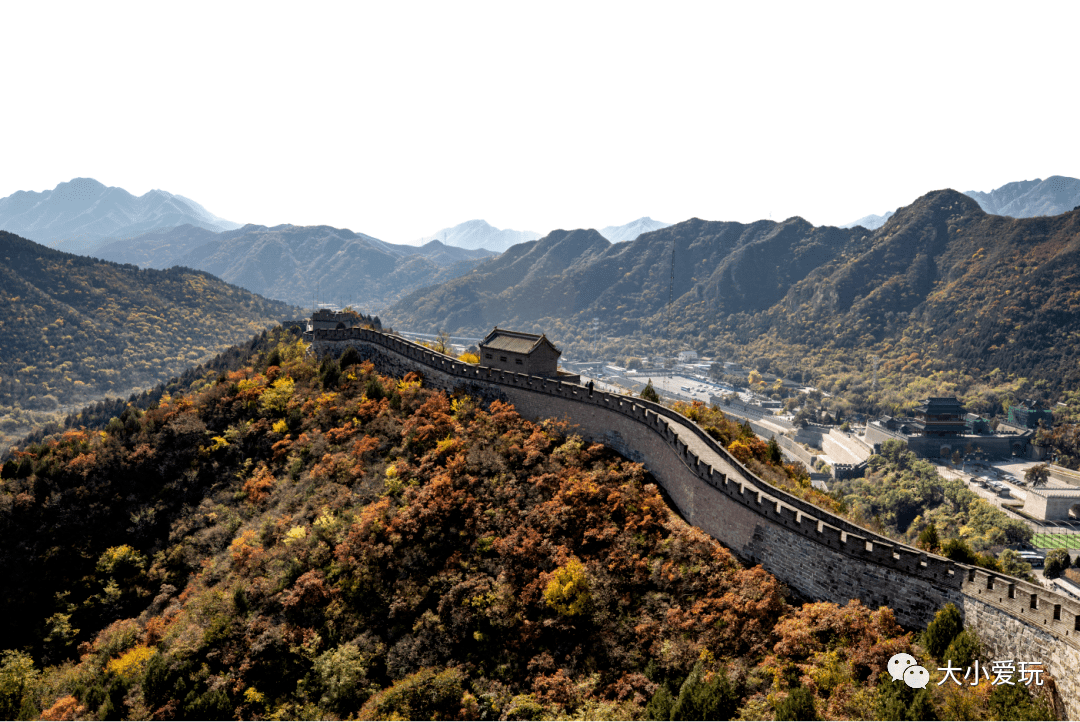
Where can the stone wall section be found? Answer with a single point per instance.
(797, 451)
(819, 555)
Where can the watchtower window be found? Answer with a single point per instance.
(989, 582)
(518, 362)
(1076, 624)
(1057, 612)
(1012, 591)
(503, 359)
(1034, 601)
(487, 355)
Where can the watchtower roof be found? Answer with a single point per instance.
(516, 341)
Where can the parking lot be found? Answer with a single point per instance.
(689, 388)
(1047, 534)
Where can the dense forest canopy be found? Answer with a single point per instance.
(951, 299)
(75, 329)
(298, 538)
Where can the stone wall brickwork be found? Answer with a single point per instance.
(817, 554)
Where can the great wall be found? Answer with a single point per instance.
(819, 555)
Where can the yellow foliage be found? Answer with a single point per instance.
(324, 400)
(123, 557)
(445, 446)
(276, 398)
(294, 351)
(462, 406)
(568, 591)
(253, 696)
(469, 358)
(280, 427)
(131, 662)
(218, 442)
(296, 534)
(326, 521)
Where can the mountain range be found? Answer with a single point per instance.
(1026, 199)
(479, 234)
(74, 329)
(79, 215)
(296, 263)
(632, 230)
(943, 287)
(1021, 199)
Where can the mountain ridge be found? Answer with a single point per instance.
(974, 296)
(479, 234)
(76, 215)
(1026, 199)
(290, 262)
(1019, 199)
(630, 231)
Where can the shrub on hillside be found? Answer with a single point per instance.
(942, 630)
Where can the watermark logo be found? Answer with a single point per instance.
(899, 664)
(916, 677)
(905, 667)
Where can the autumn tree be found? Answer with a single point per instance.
(1037, 475)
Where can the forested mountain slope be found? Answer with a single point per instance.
(74, 329)
(292, 263)
(296, 540)
(976, 296)
(578, 274)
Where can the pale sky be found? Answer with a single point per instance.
(398, 119)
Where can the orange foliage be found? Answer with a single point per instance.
(155, 630)
(281, 448)
(746, 449)
(65, 708)
(364, 445)
(340, 434)
(871, 637)
(243, 550)
(257, 488)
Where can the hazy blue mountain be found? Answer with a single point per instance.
(77, 216)
(1020, 199)
(632, 230)
(294, 262)
(481, 234)
(1027, 199)
(870, 222)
